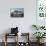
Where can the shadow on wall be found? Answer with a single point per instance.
(7, 31)
(32, 30)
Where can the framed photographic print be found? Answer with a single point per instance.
(41, 8)
(41, 12)
(17, 12)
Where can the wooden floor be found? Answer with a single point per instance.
(13, 44)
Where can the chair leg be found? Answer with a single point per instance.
(5, 40)
(5, 43)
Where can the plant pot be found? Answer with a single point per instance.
(40, 41)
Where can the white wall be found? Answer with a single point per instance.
(24, 24)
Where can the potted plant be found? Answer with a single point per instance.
(39, 35)
(38, 27)
(42, 27)
(35, 26)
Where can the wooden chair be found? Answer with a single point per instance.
(27, 37)
(8, 34)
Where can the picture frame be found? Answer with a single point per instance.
(17, 12)
(41, 12)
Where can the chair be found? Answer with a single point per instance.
(14, 32)
(25, 43)
(7, 35)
